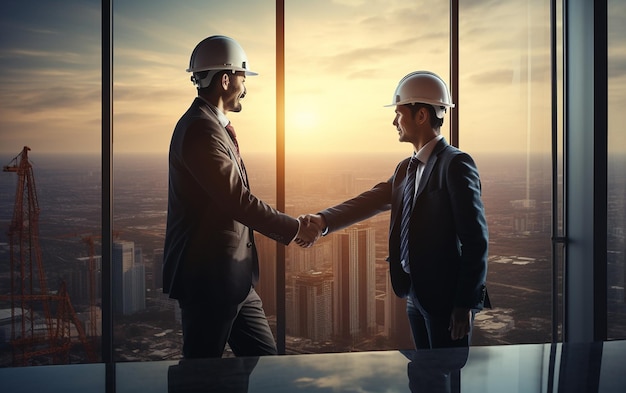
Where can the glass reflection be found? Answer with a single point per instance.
(436, 371)
(504, 123)
(616, 263)
(530, 368)
(227, 375)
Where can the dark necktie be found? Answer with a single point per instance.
(233, 137)
(407, 206)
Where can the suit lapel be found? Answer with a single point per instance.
(428, 169)
(397, 194)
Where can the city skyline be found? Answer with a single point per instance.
(519, 278)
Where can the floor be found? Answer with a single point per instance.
(540, 368)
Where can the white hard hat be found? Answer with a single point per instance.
(217, 53)
(424, 87)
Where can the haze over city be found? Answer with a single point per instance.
(68, 193)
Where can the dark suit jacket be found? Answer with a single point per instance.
(448, 232)
(209, 251)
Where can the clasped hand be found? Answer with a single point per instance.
(311, 227)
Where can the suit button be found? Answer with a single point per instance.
(249, 244)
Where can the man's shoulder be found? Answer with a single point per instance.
(454, 160)
(199, 110)
(198, 116)
(452, 151)
(197, 124)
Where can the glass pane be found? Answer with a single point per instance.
(50, 201)
(343, 63)
(153, 43)
(616, 169)
(505, 124)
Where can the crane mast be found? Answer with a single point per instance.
(29, 288)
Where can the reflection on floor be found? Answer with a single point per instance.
(540, 368)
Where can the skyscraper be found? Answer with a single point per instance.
(157, 269)
(266, 288)
(128, 279)
(354, 270)
(312, 311)
(397, 327)
(79, 280)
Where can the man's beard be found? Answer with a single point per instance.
(237, 107)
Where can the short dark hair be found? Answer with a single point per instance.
(218, 75)
(435, 122)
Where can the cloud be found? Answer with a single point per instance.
(363, 375)
(50, 60)
(493, 77)
(617, 64)
(350, 3)
(396, 38)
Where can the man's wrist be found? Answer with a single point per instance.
(324, 226)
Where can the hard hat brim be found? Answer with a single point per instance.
(200, 69)
(440, 109)
(420, 101)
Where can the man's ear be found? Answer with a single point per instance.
(225, 81)
(422, 115)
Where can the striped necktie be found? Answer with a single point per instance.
(407, 206)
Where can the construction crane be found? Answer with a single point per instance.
(90, 240)
(29, 289)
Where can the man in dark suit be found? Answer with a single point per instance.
(438, 233)
(210, 260)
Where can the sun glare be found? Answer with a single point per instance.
(303, 121)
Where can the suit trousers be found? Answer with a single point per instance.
(431, 331)
(207, 327)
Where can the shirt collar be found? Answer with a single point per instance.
(424, 153)
(221, 117)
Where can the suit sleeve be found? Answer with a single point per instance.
(359, 208)
(208, 159)
(471, 226)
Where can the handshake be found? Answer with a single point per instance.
(311, 228)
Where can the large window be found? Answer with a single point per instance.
(343, 63)
(616, 168)
(50, 184)
(343, 60)
(152, 44)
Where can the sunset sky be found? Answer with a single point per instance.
(343, 61)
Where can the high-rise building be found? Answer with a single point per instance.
(316, 258)
(354, 270)
(157, 269)
(397, 328)
(266, 288)
(312, 306)
(79, 280)
(347, 184)
(129, 288)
